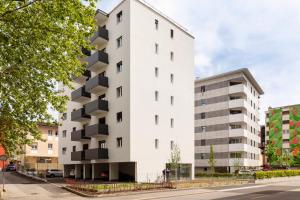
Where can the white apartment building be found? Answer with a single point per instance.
(226, 117)
(134, 102)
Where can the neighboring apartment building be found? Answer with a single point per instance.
(42, 151)
(135, 100)
(226, 117)
(283, 129)
(262, 146)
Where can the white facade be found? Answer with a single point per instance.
(226, 117)
(147, 90)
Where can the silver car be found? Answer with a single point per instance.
(54, 173)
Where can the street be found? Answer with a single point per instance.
(19, 187)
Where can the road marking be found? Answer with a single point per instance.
(242, 188)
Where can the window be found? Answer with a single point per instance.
(203, 143)
(202, 102)
(119, 66)
(251, 129)
(172, 33)
(50, 146)
(64, 116)
(156, 95)
(203, 129)
(119, 91)
(156, 24)
(156, 71)
(172, 122)
(74, 129)
(64, 133)
(156, 119)
(34, 146)
(119, 42)
(56, 133)
(172, 100)
(202, 115)
(119, 17)
(236, 155)
(50, 133)
(156, 143)
(156, 48)
(119, 142)
(251, 116)
(172, 145)
(172, 55)
(202, 88)
(64, 150)
(119, 117)
(74, 148)
(172, 78)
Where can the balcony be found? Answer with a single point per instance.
(96, 130)
(239, 88)
(241, 117)
(96, 107)
(79, 135)
(94, 154)
(100, 37)
(80, 95)
(101, 17)
(77, 156)
(80, 115)
(97, 61)
(97, 84)
(82, 78)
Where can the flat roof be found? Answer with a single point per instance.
(245, 71)
(288, 106)
(156, 11)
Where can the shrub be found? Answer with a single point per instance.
(276, 173)
(214, 175)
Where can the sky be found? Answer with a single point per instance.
(262, 35)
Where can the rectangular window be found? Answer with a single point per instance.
(202, 102)
(50, 146)
(172, 100)
(172, 78)
(50, 133)
(156, 71)
(64, 116)
(156, 48)
(202, 115)
(203, 129)
(156, 119)
(119, 142)
(172, 122)
(119, 117)
(64, 150)
(119, 17)
(156, 95)
(202, 89)
(64, 133)
(172, 55)
(34, 146)
(172, 33)
(156, 143)
(156, 24)
(74, 148)
(119, 66)
(203, 143)
(119, 42)
(119, 91)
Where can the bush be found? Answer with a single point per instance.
(214, 175)
(276, 173)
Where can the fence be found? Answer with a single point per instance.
(116, 187)
(39, 169)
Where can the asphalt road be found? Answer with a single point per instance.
(20, 187)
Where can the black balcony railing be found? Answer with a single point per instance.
(79, 135)
(96, 107)
(102, 32)
(86, 74)
(96, 83)
(79, 115)
(77, 156)
(80, 95)
(94, 154)
(96, 130)
(98, 57)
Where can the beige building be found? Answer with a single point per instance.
(226, 117)
(41, 152)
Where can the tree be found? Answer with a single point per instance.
(175, 159)
(211, 160)
(40, 42)
(237, 165)
(287, 158)
(271, 154)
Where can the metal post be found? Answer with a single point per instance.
(3, 182)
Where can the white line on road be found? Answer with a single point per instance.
(242, 188)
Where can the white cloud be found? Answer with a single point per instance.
(260, 34)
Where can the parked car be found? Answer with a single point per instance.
(54, 173)
(11, 167)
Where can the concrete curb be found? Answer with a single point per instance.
(277, 180)
(33, 177)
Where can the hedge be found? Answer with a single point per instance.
(214, 175)
(276, 173)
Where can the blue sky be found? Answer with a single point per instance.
(263, 35)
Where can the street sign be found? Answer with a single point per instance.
(3, 157)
